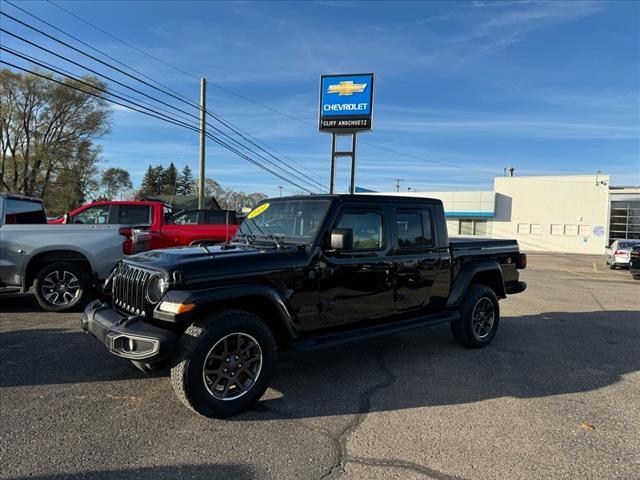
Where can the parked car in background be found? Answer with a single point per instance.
(61, 264)
(21, 210)
(205, 217)
(634, 262)
(302, 272)
(157, 222)
(618, 253)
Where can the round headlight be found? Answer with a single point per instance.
(156, 288)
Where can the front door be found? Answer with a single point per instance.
(356, 285)
(415, 257)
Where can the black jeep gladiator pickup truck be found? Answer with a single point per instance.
(301, 272)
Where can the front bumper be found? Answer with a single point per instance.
(127, 336)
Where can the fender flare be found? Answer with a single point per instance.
(208, 296)
(465, 276)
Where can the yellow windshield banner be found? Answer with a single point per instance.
(258, 210)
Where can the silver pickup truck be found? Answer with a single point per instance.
(62, 264)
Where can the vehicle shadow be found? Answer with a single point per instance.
(18, 302)
(532, 356)
(195, 472)
(55, 356)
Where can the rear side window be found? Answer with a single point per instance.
(367, 229)
(20, 211)
(413, 227)
(219, 217)
(134, 214)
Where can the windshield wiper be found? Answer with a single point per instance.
(269, 235)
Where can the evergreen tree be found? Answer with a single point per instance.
(152, 181)
(148, 182)
(185, 182)
(169, 180)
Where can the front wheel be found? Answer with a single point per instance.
(224, 363)
(61, 287)
(479, 318)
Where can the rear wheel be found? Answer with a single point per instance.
(61, 287)
(224, 363)
(480, 316)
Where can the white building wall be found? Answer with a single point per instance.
(554, 214)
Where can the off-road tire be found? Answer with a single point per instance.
(463, 330)
(193, 347)
(84, 281)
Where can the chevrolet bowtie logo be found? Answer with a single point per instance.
(347, 88)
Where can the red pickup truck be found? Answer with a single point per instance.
(155, 222)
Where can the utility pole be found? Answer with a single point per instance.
(203, 109)
(398, 180)
(280, 187)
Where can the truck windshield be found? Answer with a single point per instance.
(296, 221)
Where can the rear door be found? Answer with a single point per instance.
(416, 258)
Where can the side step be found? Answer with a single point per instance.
(311, 343)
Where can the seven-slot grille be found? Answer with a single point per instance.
(129, 288)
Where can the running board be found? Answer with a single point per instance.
(311, 343)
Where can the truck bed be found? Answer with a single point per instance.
(463, 244)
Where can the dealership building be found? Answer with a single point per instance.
(572, 214)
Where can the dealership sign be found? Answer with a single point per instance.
(346, 102)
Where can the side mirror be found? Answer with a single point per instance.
(341, 239)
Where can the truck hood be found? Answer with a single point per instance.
(198, 264)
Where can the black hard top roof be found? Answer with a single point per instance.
(360, 197)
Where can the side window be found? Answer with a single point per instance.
(409, 228)
(93, 215)
(133, 214)
(413, 227)
(23, 211)
(190, 217)
(367, 229)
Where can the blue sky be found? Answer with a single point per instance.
(548, 87)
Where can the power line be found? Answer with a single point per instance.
(164, 63)
(123, 42)
(264, 106)
(94, 48)
(301, 176)
(96, 59)
(69, 74)
(84, 82)
(160, 117)
(95, 72)
(247, 138)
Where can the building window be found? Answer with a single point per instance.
(472, 227)
(571, 230)
(625, 221)
(536, 229)
(523, 228)
(557, 229)
(584, 230)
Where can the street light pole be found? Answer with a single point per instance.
(203, 107)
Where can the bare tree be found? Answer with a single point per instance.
(46, 130)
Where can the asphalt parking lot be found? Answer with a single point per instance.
(555, 396)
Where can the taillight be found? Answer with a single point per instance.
(521, 261)
(128, 246)
(620, 252)
(138, 239)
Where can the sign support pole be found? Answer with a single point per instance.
(336, 153)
